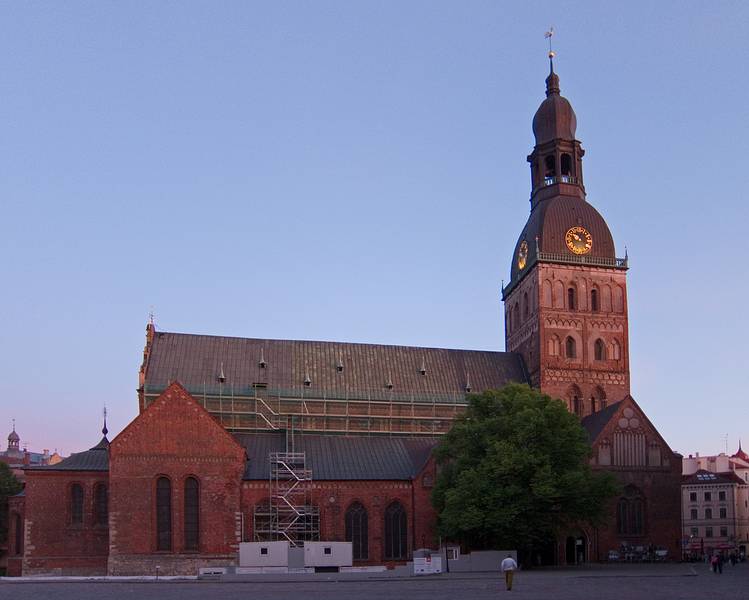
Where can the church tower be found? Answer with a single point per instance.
(566, 302)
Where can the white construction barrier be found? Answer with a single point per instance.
(264, 554)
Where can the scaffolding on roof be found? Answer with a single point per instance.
(259, 408)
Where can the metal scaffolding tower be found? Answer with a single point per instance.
(289, 515)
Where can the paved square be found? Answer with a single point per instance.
(657, 582)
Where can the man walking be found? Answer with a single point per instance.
(508, 568)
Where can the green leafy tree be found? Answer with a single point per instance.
(514, 471)
(9, 486)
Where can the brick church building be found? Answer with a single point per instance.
(225, 424)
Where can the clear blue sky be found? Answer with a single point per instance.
(356, 171)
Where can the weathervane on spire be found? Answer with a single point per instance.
(104, 429)
(548, 35)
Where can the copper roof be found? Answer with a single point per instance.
(549, 222)
(555, 118)
(345, 369)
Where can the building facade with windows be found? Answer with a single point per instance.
(251, 439)
(715, 503)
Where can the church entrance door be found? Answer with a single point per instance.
(576, 550)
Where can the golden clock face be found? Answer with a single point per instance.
(522, 254)
(579, 241)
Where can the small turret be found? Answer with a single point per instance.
(13, 440)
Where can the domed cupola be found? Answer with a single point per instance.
(556, 160)
(562, 227)
(13, 440)
(554, 119)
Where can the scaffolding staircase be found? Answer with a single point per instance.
(289, 515)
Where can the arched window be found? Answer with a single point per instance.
(163, 514)
(101, 504)
(396, 532)
(311, 523)
(558, 295)
(638, 526)
(515, 316)
(570, 348)
(546, 293)
(571, 298)
(618, 299)
(594, 300)
(574, 400)
(598, 400)
(19, 534)
(550, 166)
(76, 504)
(525, 305)
(553, 345)
(616, 350)
(606, 298)
(566, 164)
(357, 530)
(622, 516)
(261, 521)
(630, 513)
(192, 513)
(599, 350)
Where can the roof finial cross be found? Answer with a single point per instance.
(104, 429)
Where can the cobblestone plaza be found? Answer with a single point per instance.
(656, 582)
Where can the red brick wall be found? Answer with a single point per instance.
(52, 543)
(334, 497)
(662, 492)
(16, 506)
(175, 438)
(425, 517)
(660, 487)
(550, 316)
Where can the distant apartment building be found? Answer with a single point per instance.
(715, 503)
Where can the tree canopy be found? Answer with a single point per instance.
(514, 470)
(9, 486)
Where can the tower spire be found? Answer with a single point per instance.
(552, 81)
(104, 429)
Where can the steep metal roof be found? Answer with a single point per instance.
(95, 459)
(595, 423)
(341, 458)
(333, 368)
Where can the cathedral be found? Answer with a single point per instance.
(243, 439)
